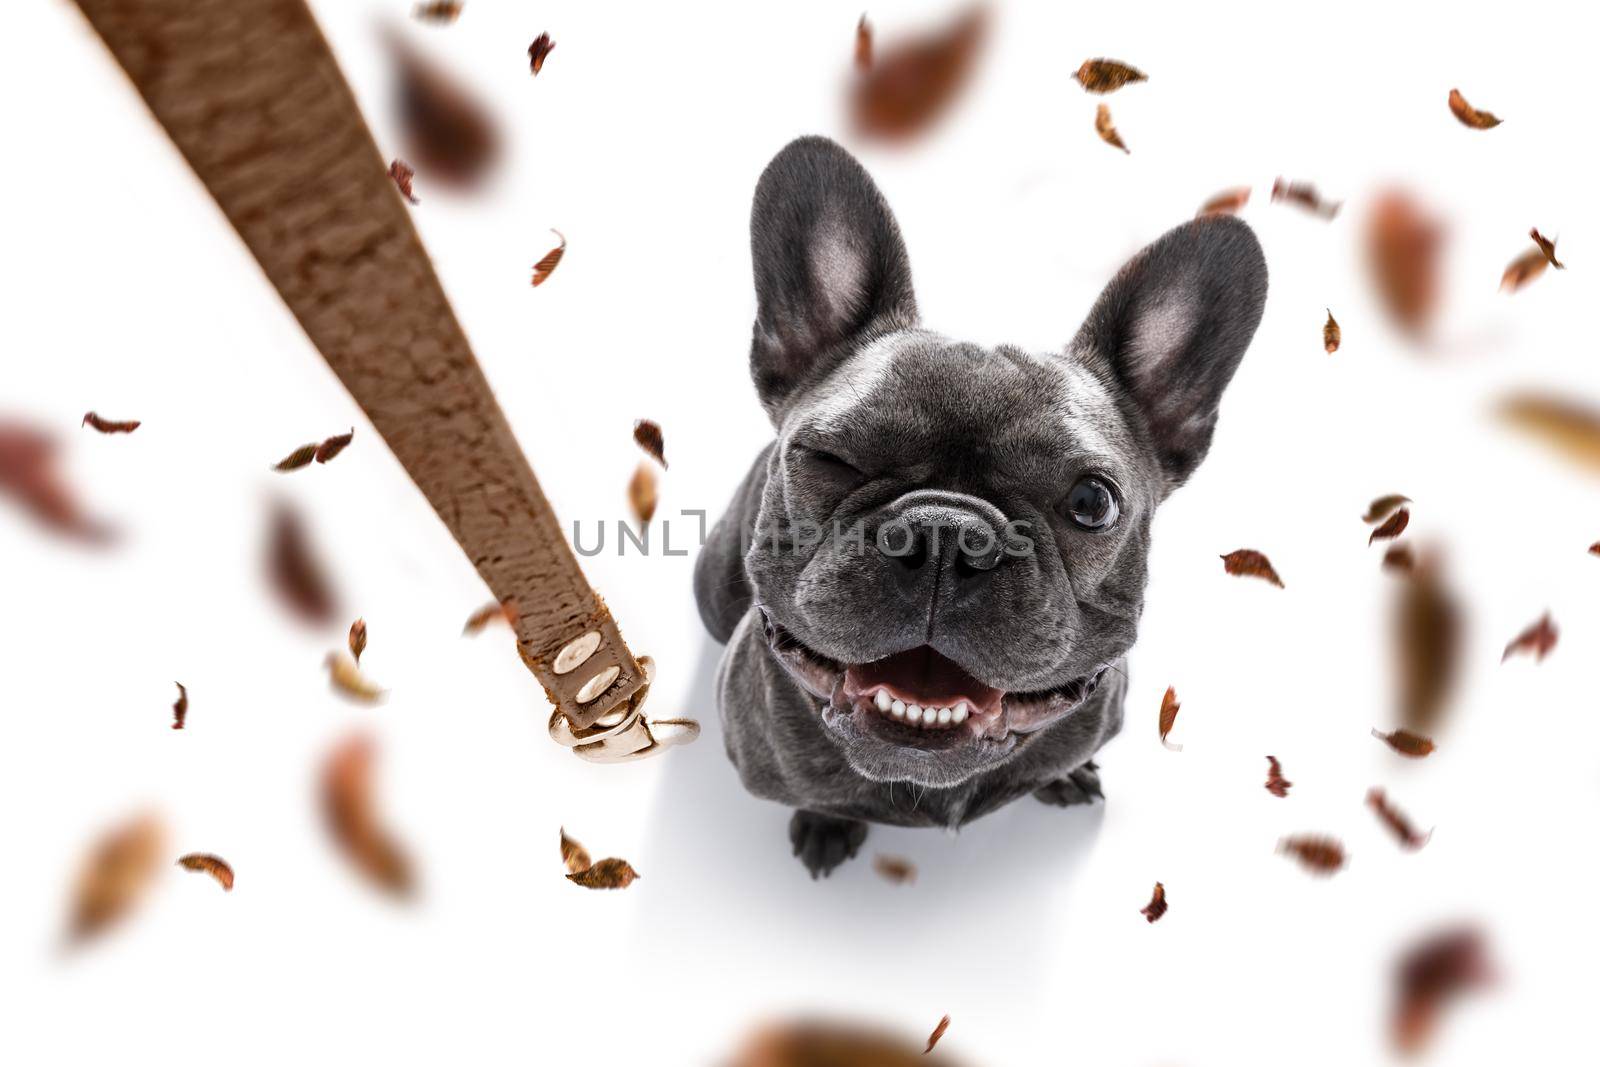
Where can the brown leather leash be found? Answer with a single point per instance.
(250, 93)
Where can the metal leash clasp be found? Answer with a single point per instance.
(623, 734)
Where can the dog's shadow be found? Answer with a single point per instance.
(720, 868)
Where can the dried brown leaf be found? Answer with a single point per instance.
(29, 473)
(1400, 559)
(300, 457)
(1428, 635)
(1594, 549)
(1248, 563)
(116, 875)
(358, 639)
(294, 571)
(1169, 716)
(546, 266)
(1277, 784)
(1572, 429)
(1106, 75)
(863, 44)
(1537, 639)
(215, 866)
(1383, 507)
(1320, 855)
(541, 47)
(1395, 820)
(1330, 334)
(402, 175)
(1469, 115)
(349, 809)
(938, 1032)
(643, 492)
(348, 679)
(180, 707)
(574, 855)
(491, 611)
(647, 435)
(1406, 742)
(1108, 132)
(334, 445)
(1305, 195)
(1403, 243)
(1157, 906)
(1393, 527)
(818, 1043)
(914, 80)
(1548, 247)
(1522, 270)
(605, 874)
(443, 11)
(448, 134)
(895, 870)
(1227, 202)
(105, 425)
(1428, 976)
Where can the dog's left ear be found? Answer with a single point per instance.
(1171, 328)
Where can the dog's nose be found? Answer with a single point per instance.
(936, 528)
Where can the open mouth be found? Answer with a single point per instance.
(919, 698)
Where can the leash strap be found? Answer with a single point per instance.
(250, 93)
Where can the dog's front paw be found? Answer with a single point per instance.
(1082, 786)
(823, 842)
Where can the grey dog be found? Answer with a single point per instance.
(929, 579)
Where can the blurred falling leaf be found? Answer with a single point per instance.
(1383, 507)
(1108, 132)
(814, 1043)
(1572, 429)
(1548, 247)
(334, 445)
(541, 47)
(1227, 202)
(1429, 976)
(1169, 716)
(1469, 115)
(605, 874)
(1392, 527)
(358, 639)
(1427, 632)
(1157, 906)
(444, 11)
(914, 80)
(300, 457)
(863, 44)
(938, 1032)
(402, 176)
(574, 855)
(1330, 334)
(448, 134)
(349, 808)
(643, 492)
(647, 435)
(1304, 195)
(487, 614)
(1399, 558)
(1320, 855)
(1405, 742)
(116, 875)
(1594, 549)
(546, 266)
(1277, 784)
(1538, 639)
(105, 425)
(1248, 563)
(1395, 820)
(1524, 269)
(293, 570)
(180, 707)
(895, 870)
(28, 472)
(1403, 244)
(215, 866)
(348, 679)
(1106, 75)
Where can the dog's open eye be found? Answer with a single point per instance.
(1091, 504)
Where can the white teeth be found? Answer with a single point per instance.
(897, 709)
(913, 712)
(959, 712)
(944, 716)
(883, 700)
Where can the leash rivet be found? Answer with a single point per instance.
(597, 685)
(576, 652)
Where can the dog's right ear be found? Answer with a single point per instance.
(830, 268)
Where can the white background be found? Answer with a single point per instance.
(126, 292)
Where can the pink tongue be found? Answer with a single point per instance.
(923, 675)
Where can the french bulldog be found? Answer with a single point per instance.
(929, 580)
